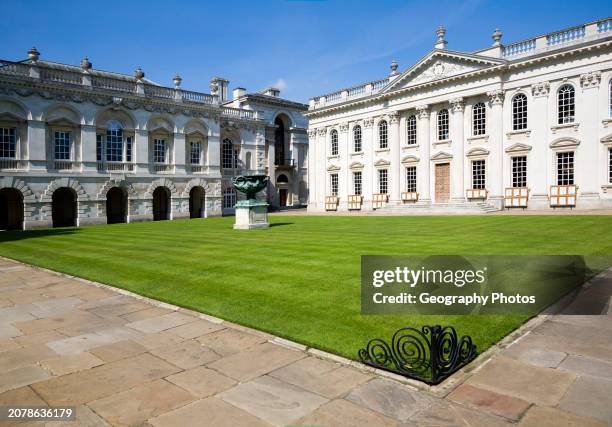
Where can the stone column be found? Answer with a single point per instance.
(537, 173)
(214, 151)
(312, 164)
(495, 167)
(395, 173)
(141, 151)
(343, 178)
(179, 153)
(458, 151)
(321, 171)
(424, 168)
(88, 147)
(368, 176)
(272, 193)
(587, 153)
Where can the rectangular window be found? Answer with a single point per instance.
(565, 168)
(411, 179)
(478, 174)
(610, 165)
(114, 145)
(62, 145)
(159, 151)
(99, 149)
(195, 153)
(129, 149)
(357, 182)
(8, 143)
(383, 182)
(333, 184)
(519, 172)
(411, 131)
(229, 198)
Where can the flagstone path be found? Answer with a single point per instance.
(123, 360)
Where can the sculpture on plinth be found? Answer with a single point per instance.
(251, 213)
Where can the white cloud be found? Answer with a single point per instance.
(280, 84)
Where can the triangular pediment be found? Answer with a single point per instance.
(439, 65)
(518, 148)
(607, 139)
(442, 155)
(478, 152)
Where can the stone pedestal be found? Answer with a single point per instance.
(251, 214)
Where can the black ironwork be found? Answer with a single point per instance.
(285, 162)
(430, 355)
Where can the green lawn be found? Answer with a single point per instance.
(300, 278)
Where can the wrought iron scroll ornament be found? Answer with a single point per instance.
(430, 355)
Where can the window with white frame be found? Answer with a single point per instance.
(411, 179)
(411, 130)
(129, 149)
(61, 144)
(566, 98)
(519, 171)
(610, 165)
(333, 184)
(159, 150)
(478, 174)
(357, 189)
(565, 168)
(519, 112)
(357, 139)
(229, 198)
(114, 143)
(8, 143)
(479, 119)
(383, 181)
(383, 137)
(443, 129)
(195, 152)
(334, 143)
(229, 158)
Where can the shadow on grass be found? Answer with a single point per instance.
(277, 224)
(15, 235)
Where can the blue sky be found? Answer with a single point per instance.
(305, 47)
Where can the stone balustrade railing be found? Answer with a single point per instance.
(122, 84)
(354, 92)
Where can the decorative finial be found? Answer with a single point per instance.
(440, 41)
(393, 67)
(139, 74)
(85, 64)
(33, 54)
(497, 35)
(177, 81)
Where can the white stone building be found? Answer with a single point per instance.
(83, 146)
(527, 124)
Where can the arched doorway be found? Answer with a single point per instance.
(11, 209)
(161, 204)
(196, 202)
(116, 206)
(64, 207)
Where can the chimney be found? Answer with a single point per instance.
(272, 91)
(220, 87)
(238, 92)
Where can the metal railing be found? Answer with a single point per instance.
(115, 167)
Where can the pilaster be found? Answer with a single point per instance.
(394, 157)
(423, 140)
(457, 138)
(495, 168)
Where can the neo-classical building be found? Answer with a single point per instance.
(527, 124)
(84, 146)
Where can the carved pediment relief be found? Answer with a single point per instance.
(439, 65)
(518, 148)
(477, 152)
(442, 155)
(410, 159)
(565, 143)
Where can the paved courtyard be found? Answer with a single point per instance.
(123, 360)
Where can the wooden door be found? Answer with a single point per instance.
(442, 182)
(282, 196)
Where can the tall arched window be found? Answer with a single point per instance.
(411, 130)
(519, 112)
(334, 142)
(479, 119)
(566, 99)
(229, 159)
(357, 139)
(383, 140)
(443, 132)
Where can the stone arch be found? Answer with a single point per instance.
(13, 109)
(121, 183)
(63, 112)
(285, 116)
(81, 194)
(196, 182)
(160, 123)
(565, 142)
(162, 182)
(124, 117)
(16, 183)
(194, 126)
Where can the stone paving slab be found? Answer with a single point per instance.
(126, 360)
